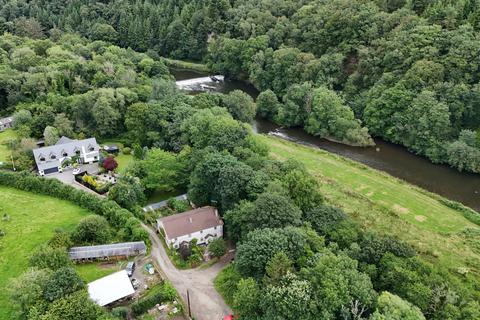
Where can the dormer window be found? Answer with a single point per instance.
(65, 154)
(42, 158)
(91, 148)
(53, 157)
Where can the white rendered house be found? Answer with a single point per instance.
(49, 159)
(203, 224)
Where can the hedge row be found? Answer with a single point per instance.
(119, 218)
(469, 214)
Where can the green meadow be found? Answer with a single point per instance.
(381, 202)
(31, 223)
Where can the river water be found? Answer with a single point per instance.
(385, 156)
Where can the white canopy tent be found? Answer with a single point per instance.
(110, 288)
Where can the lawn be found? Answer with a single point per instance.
(4, 151)
(123, 160)
(92, 271)
(33, 219)
(381, 202)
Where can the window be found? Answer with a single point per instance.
(65, 154)
(201, 231)
(77, 152)
(91, 149)
(53, 156)
(42, 158)
(215, 227)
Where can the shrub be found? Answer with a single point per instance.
(92, 230)
(127, 150)
(178, 205)
(120, 312)
(160, 293)
(60, 239)
(90, 180)
(226, 283)
(217, 247)
(110, 163)
(51, 258)
(61, 283)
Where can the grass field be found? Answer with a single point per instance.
(4, 137)
(92, 271)
(33, 219)
(381, 202)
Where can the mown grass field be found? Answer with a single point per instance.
(381, 202)
(4, 151)
(33, 219)
(92, 271)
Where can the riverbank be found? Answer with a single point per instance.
(378, 201)
(199, 67)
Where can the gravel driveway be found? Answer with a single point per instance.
(205, 302)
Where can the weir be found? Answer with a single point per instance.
(200, 84)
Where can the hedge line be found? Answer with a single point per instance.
(119, 218)
(468, 213)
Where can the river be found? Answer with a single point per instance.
(393, 159)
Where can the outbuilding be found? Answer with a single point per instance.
(109, 289)
(108, 251)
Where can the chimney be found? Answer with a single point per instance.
(216, 213)
(190, 219)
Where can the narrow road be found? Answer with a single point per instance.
(205, 302)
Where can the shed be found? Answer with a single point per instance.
(111, 148)
(124, 249)
(110, 288)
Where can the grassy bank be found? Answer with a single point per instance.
(32, 221)
(5, 136)
(186, 65)
(378, 201)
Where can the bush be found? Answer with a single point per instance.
(178, 205)
(226, 283)
(51, 258)
(158, 294)
(60, 239)
(217, 247)
(120, 312)
(127, 151)
(92, 230)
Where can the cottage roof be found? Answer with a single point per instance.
(191, 221)
(110, 288)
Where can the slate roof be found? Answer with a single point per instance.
(6, 120)
(63, 145)
(190, 222)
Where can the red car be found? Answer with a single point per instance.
(230, 317)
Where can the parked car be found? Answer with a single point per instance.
(77, 171)
(135, 283)
(130, 268)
